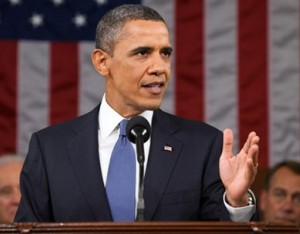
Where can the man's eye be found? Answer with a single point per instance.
(279, 195)
(296, 199)
(5, 191)
(166, 53)
(142, 52)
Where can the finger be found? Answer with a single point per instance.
(227, 142)
(249, 142)
(253, 153)
(254, 140)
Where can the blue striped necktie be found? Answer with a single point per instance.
(120, 184)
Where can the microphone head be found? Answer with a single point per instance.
(138, 126)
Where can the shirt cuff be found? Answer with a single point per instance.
(241, 214)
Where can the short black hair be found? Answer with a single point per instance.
(110, 25)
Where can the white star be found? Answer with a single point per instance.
(36, 20)
(15, 2)
(79, 20)
(101, 2)
(58, 2)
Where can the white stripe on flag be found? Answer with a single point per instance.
(33, 91)
(284, 81)
(220, 65)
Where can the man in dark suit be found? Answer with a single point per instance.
(191, 173)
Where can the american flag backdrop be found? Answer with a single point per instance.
(236, 65)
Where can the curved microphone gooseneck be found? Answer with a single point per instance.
(138, 132)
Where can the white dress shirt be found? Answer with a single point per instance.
(108, 134)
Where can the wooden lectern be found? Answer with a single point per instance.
(149, 227)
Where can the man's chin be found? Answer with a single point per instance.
(152, 106)
(284, 221)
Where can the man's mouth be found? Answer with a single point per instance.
(285, 220)
(154, 88)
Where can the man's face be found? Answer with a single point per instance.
(9, 191)
(281, 203)
(139, 69)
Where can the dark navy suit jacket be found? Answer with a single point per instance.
(61, 179)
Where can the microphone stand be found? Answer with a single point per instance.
(138, 132)
(141, 160)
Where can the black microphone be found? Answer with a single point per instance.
(138, 132)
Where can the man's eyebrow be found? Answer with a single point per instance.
(278, 188)
(141, 48)
(148, 48)
(168, 48)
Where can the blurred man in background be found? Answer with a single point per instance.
(10, 168)
(280, 197)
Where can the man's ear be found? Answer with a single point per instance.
(99, 59)
(263, 200)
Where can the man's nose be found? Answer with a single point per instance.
(16, 196)
(157, 66)
(287, 203)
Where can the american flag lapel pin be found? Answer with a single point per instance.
(168, 148)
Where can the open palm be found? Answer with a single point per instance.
(238, 171)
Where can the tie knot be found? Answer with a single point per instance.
(123, 125)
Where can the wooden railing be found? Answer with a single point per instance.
(149, 227)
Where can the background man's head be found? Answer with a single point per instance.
(10, 168)
(280, 197)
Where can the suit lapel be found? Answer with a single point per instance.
(162, 159)
(84, 156)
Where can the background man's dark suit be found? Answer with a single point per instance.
(62, 178)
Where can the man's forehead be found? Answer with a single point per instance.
(144, 24)
(140, 35)
(292, 187)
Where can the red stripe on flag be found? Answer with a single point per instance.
(189, 59)
(64, 81)
(299, 66)
(8, 96)
(253, 75)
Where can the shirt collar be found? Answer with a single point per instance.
(109, 119)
